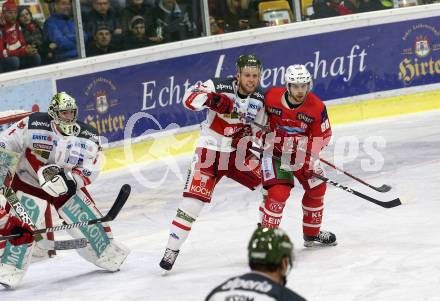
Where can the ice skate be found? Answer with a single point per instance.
(323, 239)
(168, 259)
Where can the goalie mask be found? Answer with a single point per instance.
(64, 112)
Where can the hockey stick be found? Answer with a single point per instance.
(383, 188)
(51, 245)
(388, 204)
(122, 197)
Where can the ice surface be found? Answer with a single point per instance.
(383, 254)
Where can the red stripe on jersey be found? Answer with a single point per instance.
(219, 125)
(190, 99)
(183, 227)
(32, 159)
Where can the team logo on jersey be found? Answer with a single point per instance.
(304, 117)
(21, 125)
(275, 111)
(2, 145)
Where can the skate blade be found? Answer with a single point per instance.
(316, 244)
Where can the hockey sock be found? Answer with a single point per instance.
(187, 214)
(313, 206)
(277, 196)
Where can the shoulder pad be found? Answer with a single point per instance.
(39, 121)
(88, 132)
(258, 95)
(223, 85)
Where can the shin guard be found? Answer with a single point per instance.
(277, 196)
(313, 206)
(187, 214)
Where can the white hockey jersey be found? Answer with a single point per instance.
(39, 143)
(218, 130)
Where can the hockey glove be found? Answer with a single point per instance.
(54, 181)
(15, 226)
(219, 103)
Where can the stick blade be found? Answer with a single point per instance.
(392, 204)
(122, 197)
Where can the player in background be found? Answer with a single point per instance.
(59, 157)
(9, 225)
(222, 149)
(298, 120)
(270, 254)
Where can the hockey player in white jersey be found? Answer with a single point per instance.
(222, 150)
(60, 156)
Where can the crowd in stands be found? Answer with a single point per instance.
(109, 26)
(116, 25)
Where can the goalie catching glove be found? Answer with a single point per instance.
(55, 181)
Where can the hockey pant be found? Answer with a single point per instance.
(206, 170)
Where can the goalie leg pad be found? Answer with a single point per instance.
(15, 260)
(102, 250)
(10, 276)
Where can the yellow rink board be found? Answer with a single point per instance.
(178, 144)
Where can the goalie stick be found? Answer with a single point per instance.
(122, 197)
(51, 245)
(383, 188)
(388, 204)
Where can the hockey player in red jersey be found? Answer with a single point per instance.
(298, 121)
(59, 157)
(232, 105)
(9, 225)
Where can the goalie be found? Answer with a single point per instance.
(59, 157)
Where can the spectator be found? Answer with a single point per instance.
(60, 29)
(103, 14)
(34, 35)
(137, 36)
(102, 42)
(138, 8)
(174, 20)
(372, 5)
(238, 16)
(16, 54)
(332, 8)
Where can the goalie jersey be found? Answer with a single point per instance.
(39, 143)
(252, 286)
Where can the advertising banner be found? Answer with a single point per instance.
(343, 63)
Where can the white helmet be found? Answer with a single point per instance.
(298, 74)
(64, 102)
